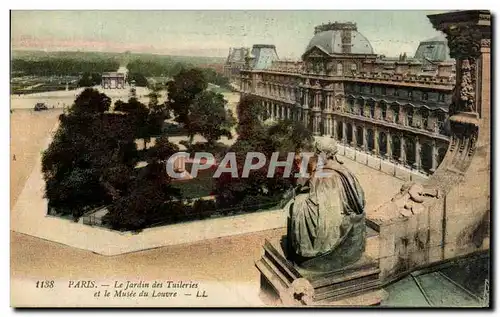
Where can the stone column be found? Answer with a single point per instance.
(378, 111)
(388, 146)
(330, 126)
(418, 161)
(402, 156)
(354, 140)
(305, 114)
(376, 147)
(469, 41)
(365, 147)
(335, 134)
(434, 156)
(344, 131)
(402, 115)
(317, 127)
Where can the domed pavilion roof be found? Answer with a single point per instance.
(340, 38)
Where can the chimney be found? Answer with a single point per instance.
(415, 67)
(368, 66)
(401, 68)
(445, 69)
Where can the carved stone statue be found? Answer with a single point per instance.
(411, 196)
(326, 226)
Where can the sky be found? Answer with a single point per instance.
(209, 33)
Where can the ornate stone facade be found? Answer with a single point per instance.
(235, 62)
(395, 109)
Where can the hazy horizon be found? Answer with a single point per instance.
(208, 33)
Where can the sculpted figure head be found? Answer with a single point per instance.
(326, 150)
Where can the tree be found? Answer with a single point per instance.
(283, 137)
(289, 136)
(182, 91)
(251, 113)
(148, 200)
(92, 155)
(91, 101)
(151, 197)
(162, 150)
(139, 79)
(133, 93)
(208, 116)
(89, 79)
(139, 114)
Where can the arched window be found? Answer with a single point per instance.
(349, 133)
(350, 105)
(359, 136)
(410, 150)
(371, 103)
(396, 147)
(382, 143)
(361, 107)
(340, 130)
(409, 116)
(395, 113)
(354, 67)
(425, 118)
(370, 140)
(441, 154)
(340, 70)
(426, 157)
(383, 110)
(441, 118)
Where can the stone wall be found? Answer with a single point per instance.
(456, 221)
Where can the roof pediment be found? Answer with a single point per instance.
(315, 52)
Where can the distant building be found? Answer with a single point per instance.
(392, 110)
(113, 80)
(235, 62)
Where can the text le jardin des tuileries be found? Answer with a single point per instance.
(136, 289)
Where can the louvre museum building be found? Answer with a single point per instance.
(388, 113)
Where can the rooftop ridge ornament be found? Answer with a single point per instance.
(336, 26)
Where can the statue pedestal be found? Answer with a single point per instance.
(285, 284)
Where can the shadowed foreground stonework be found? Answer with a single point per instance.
(439, 219)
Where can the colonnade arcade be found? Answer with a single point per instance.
(415, 151)
(422, 117)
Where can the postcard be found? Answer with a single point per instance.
(250, 158)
